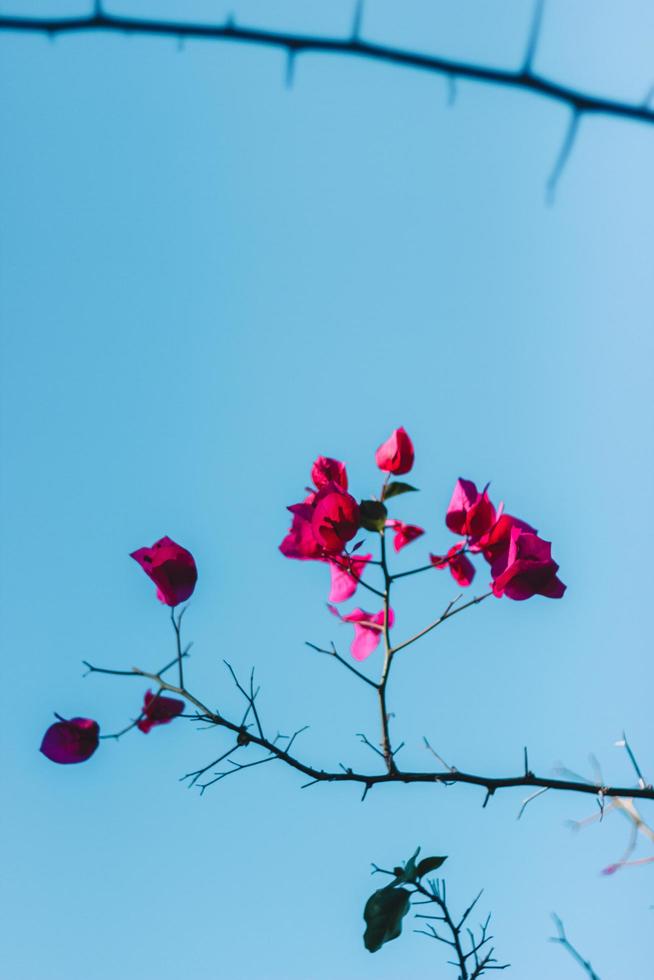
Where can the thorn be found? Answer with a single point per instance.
(534, 33)
(357, 20)
(562, 159)
(489, 792)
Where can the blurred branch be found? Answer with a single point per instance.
(523, 78)
(565, 942)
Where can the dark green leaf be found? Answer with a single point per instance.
(409, 872)
(383, 914)
(427, 865)
(373, 515)
(396, 488)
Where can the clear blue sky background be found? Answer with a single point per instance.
(206, 280)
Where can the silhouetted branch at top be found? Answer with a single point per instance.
(524, 77)
(578, 101)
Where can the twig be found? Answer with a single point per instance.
(565, 942)
(342, 660)
(449, 612)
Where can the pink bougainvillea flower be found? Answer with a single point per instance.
(346, 572)
(158, 710)
(335, 519)
(469, 512)
(494, 545)
(404, 533)
(368, 629)
(326, 470)
(396, 455)
(71, 741)
(462, 569)
(530, 569)
(171, 568)
(300, 541)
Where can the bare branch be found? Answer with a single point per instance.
(523, 78)
(564, 941)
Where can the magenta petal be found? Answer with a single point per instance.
(396, 455)
(365, 641)
(171, 568)
(345, 573)
(464, 496)
(326, 470)
(158, 710)
(71, 741)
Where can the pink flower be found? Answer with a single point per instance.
(368, 629)
(404, 533)
(469, 512)
(326, 470)
(346, 572)
(396, 455)
(494, 544)
(171, 568)
(529, 569)
(71, 741)
(335, 519)
(462, 569)
(158, 710)
(336, 515)
(300, 541)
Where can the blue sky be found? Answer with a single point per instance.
(206, 280)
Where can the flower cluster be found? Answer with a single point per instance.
(173, 571)
(328, 519)
(521, 563)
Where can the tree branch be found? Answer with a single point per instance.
(449, 776)
(523, 78)
(565, 942)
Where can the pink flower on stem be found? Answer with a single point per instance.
(530, 569)
(300, 542)
(71, 741)
(171, 568)
(396, 455)
(469, 512)
(404, 533)
(326, 470)
(346, 571)
(461, 568)
(326, 519)
(158, 710)
(368, 629)
(335, 519)
(494, 544)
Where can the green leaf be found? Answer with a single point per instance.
(383, 914)
(373, 515)
(427, 865)
(396, 488)
(409, 872)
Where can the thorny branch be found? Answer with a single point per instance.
(449, 776)
(522, 78)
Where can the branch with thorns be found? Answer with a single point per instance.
(523, 77)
